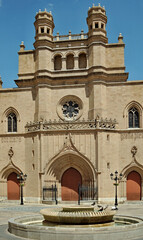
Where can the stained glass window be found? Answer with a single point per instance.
(12, 123)
(133, 118)
(70, 109)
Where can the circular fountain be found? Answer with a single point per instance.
(76, 222)
(77, 215)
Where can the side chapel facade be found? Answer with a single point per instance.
(73, 118)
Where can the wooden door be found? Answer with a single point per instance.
(134, 186)
(13, 189)
(70, 181)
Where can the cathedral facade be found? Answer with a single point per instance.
(74, 118)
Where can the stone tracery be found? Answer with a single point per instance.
(70, 109)
(98, 123)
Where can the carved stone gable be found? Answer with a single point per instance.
(68, 144)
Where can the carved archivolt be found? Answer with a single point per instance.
(134, 165)
(10, 167)
(67, 157)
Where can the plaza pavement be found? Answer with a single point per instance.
(10, 210)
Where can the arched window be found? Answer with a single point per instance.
(133, 117)
(70, 61)
(12, 122)
(57, 62)
(82, 61)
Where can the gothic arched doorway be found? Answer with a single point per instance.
(70, 180)
(13, 189)
(133, 186)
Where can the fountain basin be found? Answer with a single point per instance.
(79, 208)
(31, 227)
(77, 215)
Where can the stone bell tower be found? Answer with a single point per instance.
(105, 61)
(44, 26)
(96, 21)
(97, 38)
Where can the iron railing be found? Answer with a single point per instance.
(87, 192)
(50, 193)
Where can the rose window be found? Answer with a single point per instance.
(70, 109)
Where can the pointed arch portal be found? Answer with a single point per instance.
(134, 186)
(70, 181)
(69, 170)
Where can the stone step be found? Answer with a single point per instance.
(133, 202)
(10, 201)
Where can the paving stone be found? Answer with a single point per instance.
(8, 211)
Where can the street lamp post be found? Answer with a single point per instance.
(116, 178)
(21, 178)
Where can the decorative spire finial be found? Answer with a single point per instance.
(120, 38)
(1, 82)
(22, 46)
(134, 150)
(10, 153)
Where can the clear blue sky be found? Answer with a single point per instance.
(16, 25)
